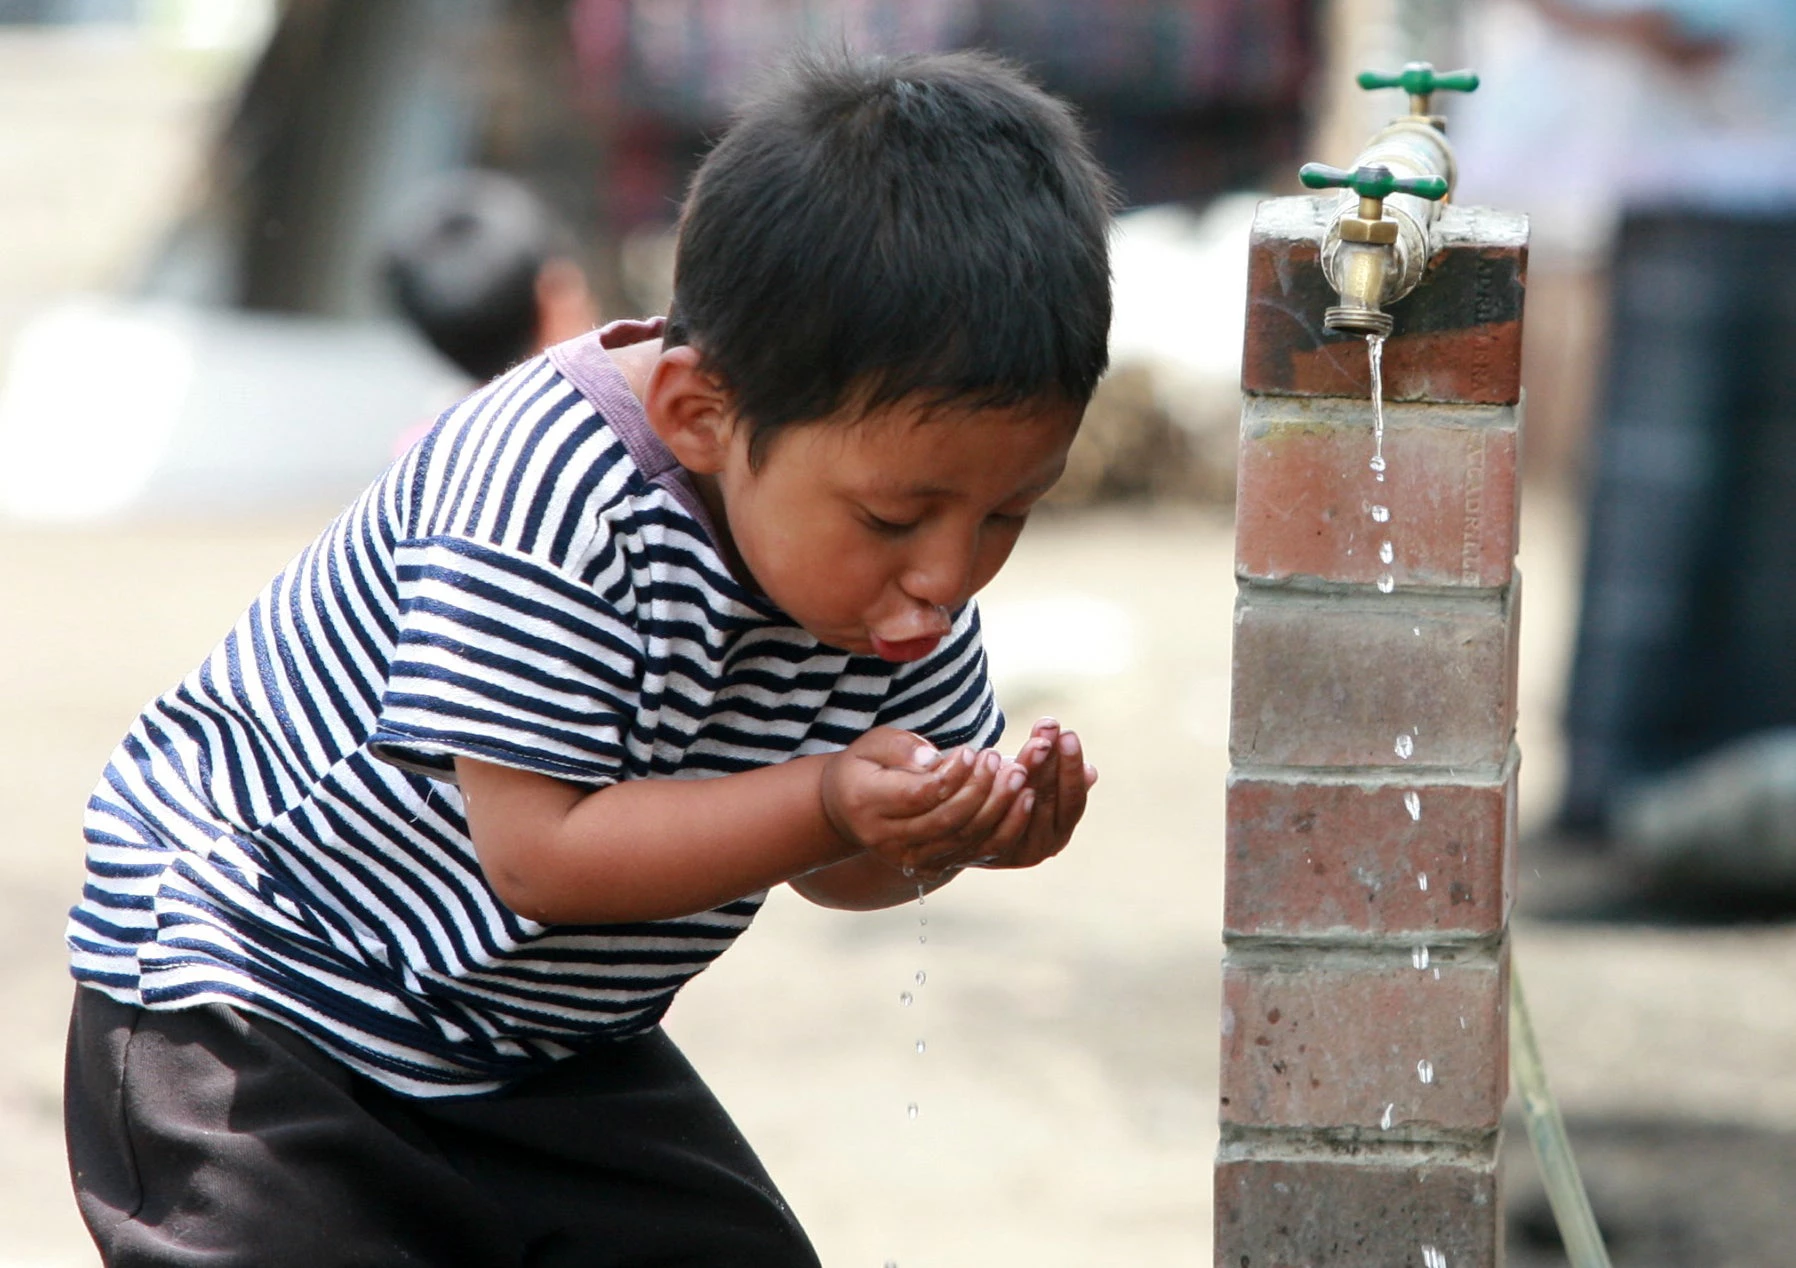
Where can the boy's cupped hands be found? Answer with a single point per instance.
(932, 813)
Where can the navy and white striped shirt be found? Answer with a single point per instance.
(534, 584)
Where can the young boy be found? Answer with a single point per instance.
(387, 898)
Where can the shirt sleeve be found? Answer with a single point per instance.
(501, 657)
(947, 697)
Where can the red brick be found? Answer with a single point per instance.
(1316, 1042)
(1309, 859)
(1306, 493)
(1300, 1213)
(1334, 680)
(1457, 336)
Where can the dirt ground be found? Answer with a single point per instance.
(1066, 1098)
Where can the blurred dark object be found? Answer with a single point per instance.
(1129, 448)
(605, 106)
(1667, 1193)
(482, 268)
(1688, 617)
(1186, 98)
(1682, 677)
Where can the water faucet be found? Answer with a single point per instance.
(1365, 267)
(1376, 246)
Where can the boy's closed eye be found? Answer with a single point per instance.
(886, 527)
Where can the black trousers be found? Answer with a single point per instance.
(210, 1136)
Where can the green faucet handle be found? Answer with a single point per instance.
(1420, 79)
(1374, 181)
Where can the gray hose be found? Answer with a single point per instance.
(1546, 1132)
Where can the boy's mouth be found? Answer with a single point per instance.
(904, 649)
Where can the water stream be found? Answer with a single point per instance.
(1375, 356)
(1404, 745)
(920, 977)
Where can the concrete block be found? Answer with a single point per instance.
(1457, 336)
(1414, 859)
(1414, 1039)
(1377, 680)
(1293, 1213)
(1308, 505)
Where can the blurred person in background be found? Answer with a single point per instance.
(482, 269)
(1681, 756)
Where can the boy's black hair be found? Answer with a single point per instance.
(463, 264)
(867, 231)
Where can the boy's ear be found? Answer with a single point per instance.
(690, 411)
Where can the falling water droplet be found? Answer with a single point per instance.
(911, 1110)
(1437, 973)
(922, 938)
(1405, 746)
(1386, 553)
(1422, 881)
(1432, 1258)
(904, 997)
(1387, 583)
(1375, 368)
(1385, 1122)
(922, 977)
(1419, 957)
(1412, 802)
(908, 871)
(1425, 1070)
(1462, 1023)
(920, 1047)
(1381, 514)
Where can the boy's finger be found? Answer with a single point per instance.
(1039, 748)
(951, 775)
(902, 794)
(1012, 832)
(953, 812)
(1069, 800)
(959, 843)
(1007, 783)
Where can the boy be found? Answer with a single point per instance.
(386, 899)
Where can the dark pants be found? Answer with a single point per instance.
(209, 1136)
(1687, 633)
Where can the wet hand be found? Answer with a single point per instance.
(922, 810)
(1058, 779)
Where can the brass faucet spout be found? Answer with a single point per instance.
(1362, 269)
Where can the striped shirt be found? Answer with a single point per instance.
(535, 585)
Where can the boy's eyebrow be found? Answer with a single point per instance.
(942, 490)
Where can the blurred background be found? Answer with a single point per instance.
(239, 240)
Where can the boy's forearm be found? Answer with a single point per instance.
(645, 849)
(865, 882)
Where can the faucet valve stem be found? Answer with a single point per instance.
(1368, 240)
(1373, 185)
(1421, 81)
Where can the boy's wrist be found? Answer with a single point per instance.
(833, 817)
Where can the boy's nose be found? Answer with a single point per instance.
(940, 578)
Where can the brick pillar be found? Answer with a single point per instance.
(1371, 801)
